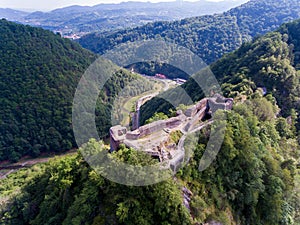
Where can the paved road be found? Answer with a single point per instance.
(144, 99)
(165, 81)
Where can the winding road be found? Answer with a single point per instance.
(144, 99)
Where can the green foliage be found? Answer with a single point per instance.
(127, 85)
(39, 75)
(175, 136)
(155, 106)
(156, 117)
(79, 20)
(249, 179)
(253, 180)
(254, 173)
(267, 63)
(250, 182)
(70, 192)
(152, 68)
(207, 36)
(15, 181)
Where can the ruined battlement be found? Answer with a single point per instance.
(219, 102)
(154, 138)
(118, 133)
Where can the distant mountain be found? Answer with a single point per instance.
(13, 15)
(79, 20)
(208, 36)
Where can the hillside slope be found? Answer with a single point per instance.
(253, 180)
(39, 75)
(11, 14)
(207, 36)
(79, 20)
(270, 62)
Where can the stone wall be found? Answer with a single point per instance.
(117, 136)
(188, 119)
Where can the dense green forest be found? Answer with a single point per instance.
(250, 182)
(207, 36)
(270, 63)
(39, 75)
(254, 180)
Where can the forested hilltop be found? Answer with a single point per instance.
(254, 179)
(39, 75)
(207, 36)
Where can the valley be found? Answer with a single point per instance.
(208, 36)
(7, 167)
(130, 106)
(76, 21)
(219, 147)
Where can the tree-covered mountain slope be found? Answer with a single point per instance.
(39, 73)
(207, 36)
(79, 20)
(270, 62)
(252, 181)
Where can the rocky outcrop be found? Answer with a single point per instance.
(187, 195)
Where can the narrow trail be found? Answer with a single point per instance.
(144, 99)
(7, 168)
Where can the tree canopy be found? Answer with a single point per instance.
(210, 36)
(39, 75)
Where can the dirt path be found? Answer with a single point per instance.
(7, 168)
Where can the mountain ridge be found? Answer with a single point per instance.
(106, 17)
(207, 36)
(270, 62)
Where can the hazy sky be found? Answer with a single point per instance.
(53, 4)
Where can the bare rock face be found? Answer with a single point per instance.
(187, 194)
(213, 223)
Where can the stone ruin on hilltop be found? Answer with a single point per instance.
(155, 138)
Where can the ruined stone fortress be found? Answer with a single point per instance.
(155, 138)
